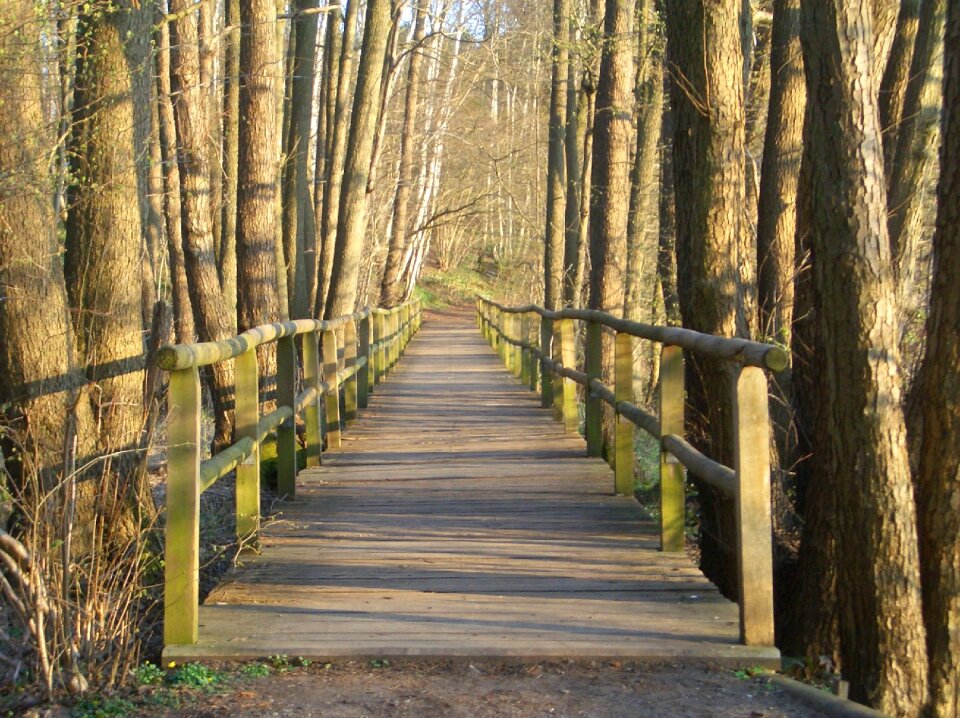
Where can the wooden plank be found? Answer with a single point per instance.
(458, 519)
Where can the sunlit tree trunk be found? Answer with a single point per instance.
(860, 463)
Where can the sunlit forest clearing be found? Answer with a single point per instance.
(223, 221)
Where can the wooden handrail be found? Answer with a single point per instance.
(365, 364)
(744, 351)
(510, 331)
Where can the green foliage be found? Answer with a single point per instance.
(255, 670)
(749, 672)
(196, 675)
(102, 707)
(149, 674)
(380, 663)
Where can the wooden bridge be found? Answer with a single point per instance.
(456, 518)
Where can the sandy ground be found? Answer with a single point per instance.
(477, 690)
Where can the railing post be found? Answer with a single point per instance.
(525, 352)
(624, 456)
(546, 352)
(517, 349)
(332, 400)
(246, 425)
(594, 405)
(182, 535)
(286, 432)
(350, 389)
(672, 482)
(569, 411)
(311, 413)
(557, 379)
(365, 382)
(533, 368)
(755, 553)
(379, 355)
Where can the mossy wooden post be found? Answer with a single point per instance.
(752, 464)
(286, 431)
(593, 366)
(311, 412)
(557, 379)
(332, 399)
(533, 361)
(525, 353)
(624, 453)
(546, 349)
(568, 347)
(672, 482)
(350, 388)
(406, 326)
(182, 535)
(379, 334)
(392, 333)
(518, 359)
(365, 380)
(247, 417)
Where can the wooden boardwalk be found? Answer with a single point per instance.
(459, 520)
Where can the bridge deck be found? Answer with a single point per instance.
(459, 520)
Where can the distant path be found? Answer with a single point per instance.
(459, 520)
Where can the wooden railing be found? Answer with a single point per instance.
(514, 334)
(373, 342)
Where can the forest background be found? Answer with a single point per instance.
(177, 171)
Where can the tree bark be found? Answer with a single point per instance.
(893, 86)
(390, 289)
(104, 229)
(183, 327)
(340, 129)
(227, 263)
(708, 166)
(352, 221)
(917, 139)
(257, 302)
(643, 228)
(298, 228)
(213, 322)
(860, 456)
(39, 373)
(934, 418)
(554, 232)
(573, 240)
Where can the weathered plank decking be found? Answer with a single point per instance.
(459, 520)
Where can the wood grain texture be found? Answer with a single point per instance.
(458, 519)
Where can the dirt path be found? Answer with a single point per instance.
(478, 690)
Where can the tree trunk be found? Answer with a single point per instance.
(352, 221)
(643, 229)
(104, 230)
(183, 326)
(39, 374)
(339, 131)
(917, 139)
(893, 87)
(298, 229)
(860, 455)
(209, 310)
(331, 63)
(554, 232)
(257, 302)
(573, 240)
(390, 289)
(934, 419)
(231, 151)
(708, 168)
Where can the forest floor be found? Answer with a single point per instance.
(431, 689)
